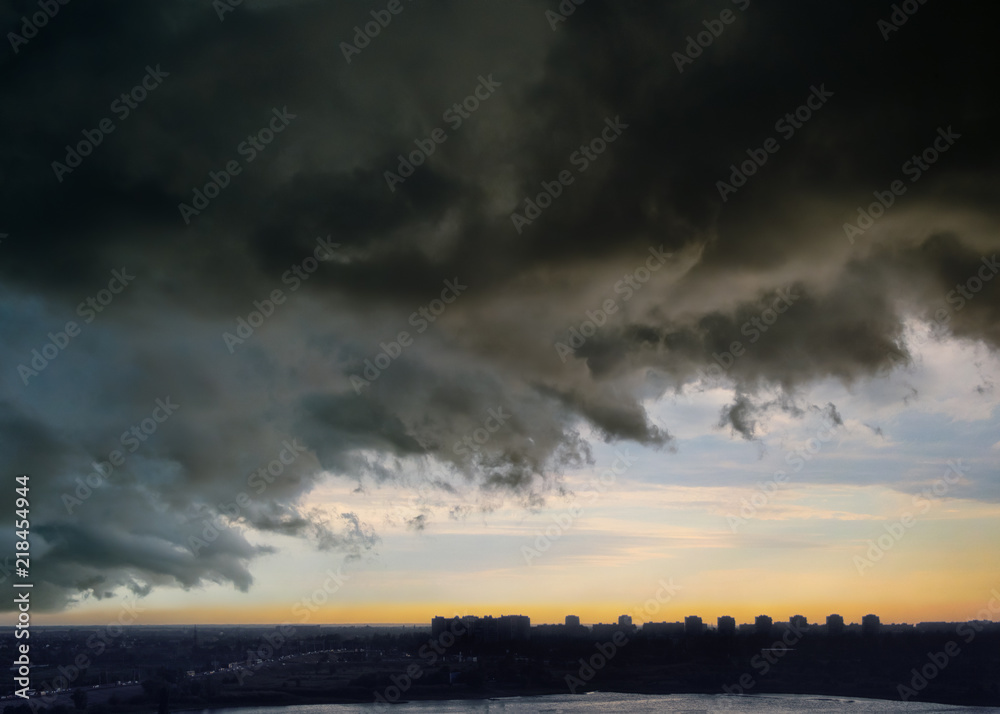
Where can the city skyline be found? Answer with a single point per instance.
(323, 312)
(989, 613)
(706, 624)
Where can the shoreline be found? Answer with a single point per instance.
(252, 700)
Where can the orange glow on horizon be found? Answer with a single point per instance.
(540, 613)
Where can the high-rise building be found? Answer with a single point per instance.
(727, 625)
(834, 624)
(439, 625)
(762, 625)
(870, 625)
(624, 620)
(572, 621)
(663, 629)
(692, 625)
(798, 621)
(514, 628)
(486, 630)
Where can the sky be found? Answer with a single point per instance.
(338, 312)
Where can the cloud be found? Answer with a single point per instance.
(494, 346)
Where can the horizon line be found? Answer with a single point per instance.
(428, 623)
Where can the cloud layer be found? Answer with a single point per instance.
(532, 331)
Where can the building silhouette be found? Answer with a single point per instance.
(692, 625)
(834, 624)
(727, 625)
(484, 630)
(870, 625)
(472, 629)
(514, 628)
(762, 625)
(440, 625)
(663, 629)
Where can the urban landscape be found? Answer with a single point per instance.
(146, 668)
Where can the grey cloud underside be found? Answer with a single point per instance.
(495, 346)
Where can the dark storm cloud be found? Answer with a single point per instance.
(494, 346)
(743, 414)
(740, 416)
